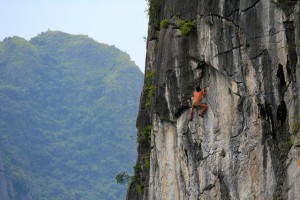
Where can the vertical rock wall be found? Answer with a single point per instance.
(248, 144)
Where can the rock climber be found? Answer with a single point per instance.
(197, 102)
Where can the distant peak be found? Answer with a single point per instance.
(14, 39)
(50, 33)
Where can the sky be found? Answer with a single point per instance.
(122, 23)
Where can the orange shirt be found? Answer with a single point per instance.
(198, 95)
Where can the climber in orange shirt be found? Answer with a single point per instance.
(198, 94)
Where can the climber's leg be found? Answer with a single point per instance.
(195, 105)
(192, 112)
(204, 108)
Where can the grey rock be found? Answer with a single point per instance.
(248, 55)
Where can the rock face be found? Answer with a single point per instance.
(247, 145)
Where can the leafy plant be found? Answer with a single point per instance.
(148, 103)
(154, 7)
(146, 158)
(164, 23)
(295, 125)
(289, 143)
(222, 153)
(137, 168)
(150, 93)
(149, 77)
(150, 89)
(123, 178)
(146, 134)
(186, 26)
(140, 189)
(143, 164)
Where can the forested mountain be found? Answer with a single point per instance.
(68, 106)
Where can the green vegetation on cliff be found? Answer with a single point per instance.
(154, 7)
(67, 116)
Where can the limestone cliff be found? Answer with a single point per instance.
(247, 146)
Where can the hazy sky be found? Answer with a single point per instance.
(122, 23)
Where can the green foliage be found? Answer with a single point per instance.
(123, 178)
(180, 22)
(137, 171)
(295, 125)
(294, 137)
(149, 88)
(164, 23)
(154, 7)
(142, 166)
(140, 189)
(149, 77)
(148, 103)
(151, 91)
(137, 168)
(68, 110)
(146, 135)
(146, 158)
(186, 26)
(289, 143)
(222, 153)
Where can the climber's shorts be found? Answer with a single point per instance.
(198, 104)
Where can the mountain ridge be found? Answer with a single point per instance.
(68, 106)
